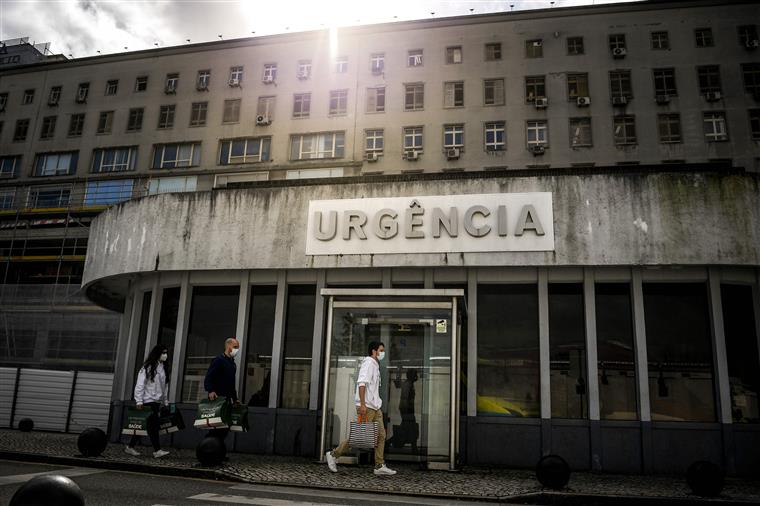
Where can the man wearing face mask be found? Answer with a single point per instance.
(368, 404)
(220, 379)
(151, 392)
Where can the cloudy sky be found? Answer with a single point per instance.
(83, 27)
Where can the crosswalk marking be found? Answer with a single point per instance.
(239, 499)
(69, 473)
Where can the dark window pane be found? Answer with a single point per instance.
(260, 333)
(143, 335)
(167, 324)
(679, 352)
(299, 334)
(567, 344)
(508, 357)
(615, 355)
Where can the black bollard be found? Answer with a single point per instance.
(553, 472)
(211, 451)
(705, 478)
(46, 490)
(26, 425)
(92, 442)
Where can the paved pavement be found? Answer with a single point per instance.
(475, 483)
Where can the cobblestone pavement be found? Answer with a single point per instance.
(473, 482)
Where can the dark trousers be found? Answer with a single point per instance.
(153, 424)
(220, 434)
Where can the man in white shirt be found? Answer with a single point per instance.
(368, 404)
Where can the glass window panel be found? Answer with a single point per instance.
(167, 324)
(143, 334)
(258, 367)
(299, 334)
(567, 343)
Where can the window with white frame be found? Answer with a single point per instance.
(754, 124)
(703, 37)
(303, 71)
(318, 145)
(105, 122)
(135, 119)
(534, 48)
(747, 34)
(55, 95)
(83, 90)
(665, 82)
(119, 159)
(617, 41)
(535, 87)
(313, 173)
(7, 198)
(493, 51)
(341, 64)
(414, 58)
(537, 133)
(624, 129)
(203, 80)
(270, 72)
(172, 184)
(76, 125)
(577, 86)
(21, 130)
(620, 83)
(708, 77)
(660, 40)
(374, 141)
(454, 54)
(495, 136)
(493, 91)
(236, 75)
(112, 87)
(376, 99)
(338, 102)
(751, 76)
(413, 139)
(198, 113)
(176, 155)
(231, 112)
(265, 107)
(453, 94)
(580, 132)
(244, 150)
(377, 62)
(3, 101)
(669, 127)
(141, 83)
(48, 127)
(28, 97)
(172, 81)
(575, 45)
(166, 117)
(56, 164)
(715, 126)
(49, 196)
(106, 193)
(453, 136)
(301, 105)
(9, 166)
(414, 97)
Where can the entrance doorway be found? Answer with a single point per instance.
(419, 375)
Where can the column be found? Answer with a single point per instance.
(180, 339)
(642, 368)
(316, 347)
(545, 360)
(589, 305)
(241, 329)
(277, 339)
(472, 342)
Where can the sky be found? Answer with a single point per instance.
(85, 27)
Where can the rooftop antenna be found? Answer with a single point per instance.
(552, 4)
(125, 48)
(432, 14)
(187, 40)
(97, 52)
(471, 10)
(155, 44)
(220, 37)
(511, 6)
(71, 55)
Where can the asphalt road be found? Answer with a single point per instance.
(102, 487)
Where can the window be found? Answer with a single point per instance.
(48, 127)
(508, 350)
(297, 346)
(231, 111)
(105, 122)
(56, 164)
(376, 99)
(669, 128)
(617, 41)
(28, 97)
(55, 95)
(313, 173)
(624, 130)
(203, 80)
(620, 83)
(715, 126)
(413, 139)
(414, 96)
(321, 145)
(453, 94)
(577, 86)
(580, 132)
(414, 58)
(236, 76)
(6, 198)
(21, 131)
(49, 196)
(495, 136)
(534, 48)
(106, 193)
(301, 105)
(265, 107)
(703, 37)
(493, 91)
(83, 90)
(454, 54)
(453, 136)
(537, 133)
(9, 166)
(304, 69)
(172, 81)
(377, 63)
(141, 84)
(338, 102)
(664, 82)
(751, 75)
(135, 119)
(270, 72)
(3, 101)
(754, 124)
(574, 45)
(114, 159)
(180, 184)
(709, 78)
(247, 150)
(747, 34)
(535, 87)
(258, 363)
(493, 51)
(174, 156)
(660, 40)
(112, 87)
(374, 142)
(166, 116)
(567, 345)
(341, 64)
(198, 114)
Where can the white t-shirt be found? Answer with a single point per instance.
(369, 376)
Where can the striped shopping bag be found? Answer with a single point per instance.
(362, 435)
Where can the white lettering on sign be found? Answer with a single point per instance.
(434, 224)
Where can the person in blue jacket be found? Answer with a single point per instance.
(220, 379)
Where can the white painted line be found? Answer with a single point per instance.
(239, 499)
(69, 473)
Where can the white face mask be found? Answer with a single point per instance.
(163, 357)
(381, 355)
(234, 352)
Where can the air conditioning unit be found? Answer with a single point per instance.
(411, 155)
(753, 44)
(268, 79)
(263, 120)
(452, 154)
(619, 101)
(713, 96)
(538, 149)
(372, 156)
(619, 52)
(541, 103)
(538, 43)
(170, 89)
(234, 82)
(302, 75)
(82, 96)
(583, 101)
(662, 99)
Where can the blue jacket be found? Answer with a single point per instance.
(220, 377)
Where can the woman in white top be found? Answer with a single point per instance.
(151, 392)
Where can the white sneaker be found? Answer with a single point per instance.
(384, 471)
(159, 454)
(332, 463)
(131, 451)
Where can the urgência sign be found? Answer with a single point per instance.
(432, 224)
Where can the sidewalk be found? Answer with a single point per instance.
(470, 483)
